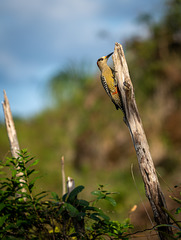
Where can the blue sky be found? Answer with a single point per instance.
(39, 37)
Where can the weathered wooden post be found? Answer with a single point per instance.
(13, 140)
(63, 176)
(134, 124)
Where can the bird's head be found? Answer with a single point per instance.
(102, 61)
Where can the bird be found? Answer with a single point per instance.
(109, 81)
(70, 184)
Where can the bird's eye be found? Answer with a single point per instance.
(100, 59)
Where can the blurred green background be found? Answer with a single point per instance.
(83, 126)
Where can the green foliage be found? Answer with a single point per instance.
(177, 212)
(27, 216)
(151, 57)
(103, 194)
(69, 82)
(177, 200)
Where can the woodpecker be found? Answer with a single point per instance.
(109, 81)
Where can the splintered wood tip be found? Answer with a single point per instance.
(118, 44)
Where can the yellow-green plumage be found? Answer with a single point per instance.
(109, 81)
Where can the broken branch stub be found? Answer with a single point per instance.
(63, 176)
(11, 131)
(13, 140)
(134, 123)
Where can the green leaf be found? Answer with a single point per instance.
(3, 219)
(81, 215)
(100, 213)
(91, 208)
(82, 202)
(73, 212)
(29, 172)
(98, 193)
(178, 210)
(14, 172)
(94, 217)
(38, 199)
(34, 163)
(62, 209)
(104, 216)
(30, 186)
(74, 193)
(64, 197)
(2, 205)
(55, 196)
(39, 194)
(24, 151)
(111, 200)
(102, 196)
(29, 160)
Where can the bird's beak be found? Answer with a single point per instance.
(109, 55)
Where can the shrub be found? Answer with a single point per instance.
(28, 216)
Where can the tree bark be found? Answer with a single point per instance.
(134, 124)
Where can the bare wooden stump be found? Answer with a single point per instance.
(134, 123)
(11, 131)
(63, 176)
(13, 140)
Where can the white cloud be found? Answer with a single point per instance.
(38, 34)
